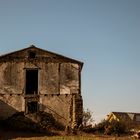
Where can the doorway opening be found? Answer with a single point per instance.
(31, 82)
(32, 107)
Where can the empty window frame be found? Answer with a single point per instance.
(31, 81)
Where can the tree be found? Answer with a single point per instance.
(87, 117)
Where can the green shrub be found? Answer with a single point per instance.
(100, 128)
(118, 127)
(114, 127)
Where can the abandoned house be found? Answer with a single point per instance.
(33, 80)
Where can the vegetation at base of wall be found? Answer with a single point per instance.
(114, 127)
(109, 128)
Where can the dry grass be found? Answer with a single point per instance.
(76, 138)
(12, 135)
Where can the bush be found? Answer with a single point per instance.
(100, 128)
(114, 127)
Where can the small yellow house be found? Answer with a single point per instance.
(129, 117)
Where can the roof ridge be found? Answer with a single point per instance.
(53, 53)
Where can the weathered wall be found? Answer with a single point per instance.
(69, 78)
(58, 105)
(11, 87)
(58, 83)
(11, 78)
(66, 108)
(49, 78)
(54, 78)
(10, 104)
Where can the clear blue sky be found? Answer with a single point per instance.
(104, 34)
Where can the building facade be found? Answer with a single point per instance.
(33, 80)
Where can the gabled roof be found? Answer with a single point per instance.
(42, 50)
(121, 113)
(124, 115)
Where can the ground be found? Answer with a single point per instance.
(12, 135)
(75, 138)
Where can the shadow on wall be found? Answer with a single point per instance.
(6, 110)
(55, 114)
(20, 124)
(29, 125)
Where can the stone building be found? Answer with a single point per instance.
(33, 80)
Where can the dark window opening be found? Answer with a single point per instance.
(32, 54)
(137, 118)
(32, 107)
(31, 82)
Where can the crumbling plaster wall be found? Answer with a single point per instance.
(54, 78)
(66, 108)
(11, 78)
(11, 89)
(59, 78)
(58, 105)
(10, 104)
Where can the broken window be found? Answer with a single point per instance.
(31, 82)
(32, 107)
(32, 54)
